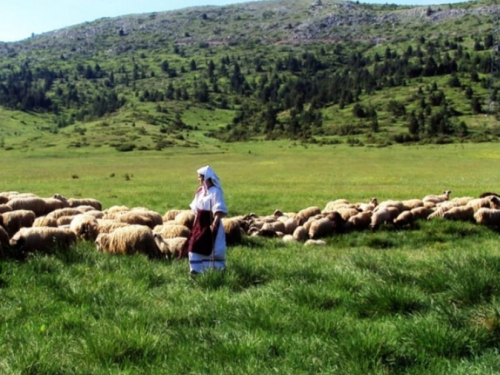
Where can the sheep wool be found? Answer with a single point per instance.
(172, 231)
(462, 213)
(12, 221)
(171, 247)
(44, 221)
(233, 231)
(300, 234)
(5, 208)
(35, 204)
(488, 216)
(45, 240)
(133, 239)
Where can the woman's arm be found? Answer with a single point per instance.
(217, 219)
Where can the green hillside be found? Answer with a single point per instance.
(317, 71)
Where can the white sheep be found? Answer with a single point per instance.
(132, 239)
(381, 216)
(437, 198)
(360, 221)
(410, 204)
(45, 240)
(321, 228)
(172, 231)
(171, 247)
(300, 234)
(75, 202)
(460, 213)
(35, 204)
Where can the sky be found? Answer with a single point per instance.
(19, 19)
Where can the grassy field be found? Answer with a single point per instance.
(414, 301)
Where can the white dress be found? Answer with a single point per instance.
(212, 200)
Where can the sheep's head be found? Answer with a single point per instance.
(102, 241)
(447, 193)
(374, 201)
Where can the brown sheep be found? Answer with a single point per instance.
(421, 212)
(5, 208)
(488, 216)
(52, 204)
(300, 234)
(461, 213)
(306, 213)
(74, 202)
(321, 228)
(45, 240)
(404, 218)
(3, 199)
(360, 221)
(65, 220)
(35, 204)
(133, 239)
(12, 221)
(155, 217)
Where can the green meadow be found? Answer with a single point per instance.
(411, 301)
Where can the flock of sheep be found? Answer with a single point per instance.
(29, 223)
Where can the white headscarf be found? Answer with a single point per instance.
(207, 172)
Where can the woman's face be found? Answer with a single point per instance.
(201, 178)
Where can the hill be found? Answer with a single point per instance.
(320, 71)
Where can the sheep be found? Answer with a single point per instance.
(3, 199)
(171, 247)
(116, 209)
(104, 226)
(306, 213)
(95, 213)
(379, 217)
(487, 202)
(5, 208)
(337, 204)
(391, 203)
(35, 204)
(308, 222)
(65, 220)
(360, 221)
(421, 212)
(488, 216)
(276, 225)
(132, 217)
(67, 211)
(233, 231)
(462, 213)
(45, 240)
(488, 193)
(44, 221)
(462, 201)
(403, 219)
(81, 224)
(288, 238)
(368, 206)
(347, 212)
(133, 239)
(62, 199)
(300, 234)
(12, 221)
(74, 202)
(171, 231)
(155, 217)
(171, 214)
(321, 228)
(185, 218)
(410, 204)
(52, 204)
(437, 198)
(290, 225)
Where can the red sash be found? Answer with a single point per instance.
(201, 240)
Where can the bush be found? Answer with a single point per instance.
(125, 147)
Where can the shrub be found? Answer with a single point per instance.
(125, 147)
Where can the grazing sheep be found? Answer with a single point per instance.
(233, 231)
(155, 217)
(116, 209)
(185, 218)
(321, 228)
(337, 204)
(105, 226)
(132, 217)
(380, 216)
(5, 208)
(403, 219)
(82, 226)
(173, 230)
(45, 240)
(74, 202)
(487, 194)
(487, 202)
(44, 221)
(35, 204)
(461, 213)
(488, 216)
(171, 247)
(439, 212)
(171, 214)
(368, 206)
(421, 212)
(315, 243)
(306, 213)
(65, 220)
(52, 204)
(462, 201)
(308, 222)
(391, 203)
(289, 224)
(410, 204)
(67, 211)
(64, 200)
(437, 198)
(276, 225)
(347, 212)
(133, 239)
(12, 221)
(95, 213)
(360, 221)
(300, 234)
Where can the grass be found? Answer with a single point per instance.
(412, 301)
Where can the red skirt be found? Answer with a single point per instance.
(201, 240)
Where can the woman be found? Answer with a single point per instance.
(207, 244)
